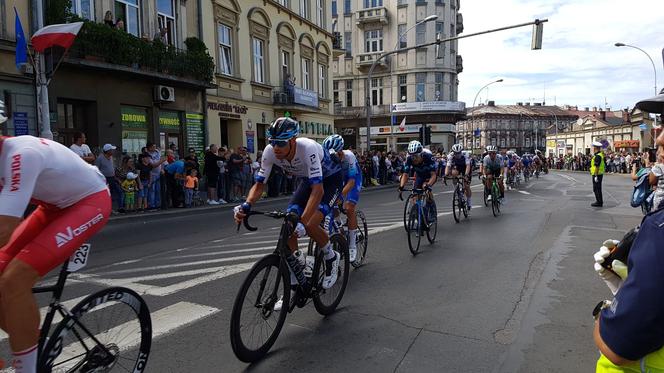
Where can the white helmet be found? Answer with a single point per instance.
(3, 118)
(415, 147)
(491, 149)
(457, 148)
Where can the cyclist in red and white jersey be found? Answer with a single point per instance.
(73, 204)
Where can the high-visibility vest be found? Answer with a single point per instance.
(593, 168)
(651, 363)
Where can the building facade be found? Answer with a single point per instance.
(17, 88)
(272, 59)
(414, 85)
(521, 127)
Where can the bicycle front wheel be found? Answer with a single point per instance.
(414, 230)
(433, 222)
(255, 324)
(495, 203)
(108, 331)
(327, 300)
(456, 206)
(362, 240)
(406, 212)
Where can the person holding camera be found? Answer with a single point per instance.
(629, 329)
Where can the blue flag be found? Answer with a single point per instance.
(21, 44)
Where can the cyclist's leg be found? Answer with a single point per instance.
(501, 184)
(297, 204)
(49, 247)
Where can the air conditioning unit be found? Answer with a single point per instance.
(163, 93)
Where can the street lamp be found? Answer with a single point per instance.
(472, 144)
(646, 53)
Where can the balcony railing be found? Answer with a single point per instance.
(367, 59)
(337, 45)
(370, 15)
(98, 42)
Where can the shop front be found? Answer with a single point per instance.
(389, 138)
(629, 146)
(236, 123)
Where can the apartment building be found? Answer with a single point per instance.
(415, 85)
(272, 59)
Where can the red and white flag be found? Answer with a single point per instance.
(62, 35)
(402, 125)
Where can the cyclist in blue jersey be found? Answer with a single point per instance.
(459, 164)
(352, 181)
(420, 163)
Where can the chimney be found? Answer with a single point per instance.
(587, 108)
(537, 104)
(527, 103)
(602, 115)
(594, 108)
(576, 108)
(625, 116)
(491, 103)
(519, 104)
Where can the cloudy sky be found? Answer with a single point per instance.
(578, 63)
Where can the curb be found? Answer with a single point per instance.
(174, 212)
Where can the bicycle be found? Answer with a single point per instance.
(420, 219)
(334, 224)
(459, 201)
(87, 339)
(495, 196)
(278, 287)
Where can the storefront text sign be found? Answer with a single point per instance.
(20, 123)
(626, 144)
(429, 106)
(134, 122)
(169, 120)
(196, 131)
(305, 97)
(227, 110)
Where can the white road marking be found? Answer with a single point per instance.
(164, 321)
(523, 192)
(169, 266)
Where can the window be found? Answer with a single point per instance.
(373, 41)
(334, 8)
(285, 3)
(349, 93)
(347, 8)
(347, 44)
(335, 91)
(304, 8)
(320, 13)
(452, 34)
(322, 81)
(376, 91)
(420, 32)
(306, 73)
(285, 64)
(127, 11)
(225, 50)
(84, 9)
(259, 60)
(440, 30)
(402, 2)
(403, 88)
(421, 79)
(166, 19)
(401, 31)
(440, 2)
(438, 88)
(372, 3)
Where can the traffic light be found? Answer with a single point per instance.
(427, 135)
(538, 29)
(422, 135)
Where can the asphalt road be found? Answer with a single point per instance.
(505, 294)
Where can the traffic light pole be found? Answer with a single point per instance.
(367, 89)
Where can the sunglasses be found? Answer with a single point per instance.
(279, 143)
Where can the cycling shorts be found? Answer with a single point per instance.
(460, 170)
(332, 185)
(494, 172)
(354, 194)
(50, 235)
(419, 180)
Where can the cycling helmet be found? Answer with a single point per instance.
(3, 118)
(334, 142)
(415, 147)
(491, 149)
(457, 148)
(283, 129)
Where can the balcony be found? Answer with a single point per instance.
(371, 15)
(459, 23)
(295, 98)
(100, 46)
(365, 60)
(459, 64)
(337, 45)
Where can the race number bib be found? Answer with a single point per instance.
(79, 259)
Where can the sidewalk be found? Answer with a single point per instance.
(588, 172)
(172, 212)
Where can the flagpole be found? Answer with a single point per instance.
(42, 90)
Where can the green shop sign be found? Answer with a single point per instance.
(196, 131)
(133, 117)
(169, 120)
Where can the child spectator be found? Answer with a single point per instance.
(130, 187)
(190, 187)
(144, 182)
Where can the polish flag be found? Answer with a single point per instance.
(62, 35)
(402, 125)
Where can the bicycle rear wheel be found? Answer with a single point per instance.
(327, 300)
(110, 330)
(406, 210)
(255, 325)
(414, 230)
(361, 239)
(433, 222)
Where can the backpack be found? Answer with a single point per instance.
(641, 190)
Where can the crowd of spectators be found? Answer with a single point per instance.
(616, 162)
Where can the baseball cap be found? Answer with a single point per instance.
(108, 147)
(597, 144)
(131, 176)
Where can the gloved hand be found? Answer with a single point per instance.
(596, 179)
(300, 231)
(241, 211)
(613, 280)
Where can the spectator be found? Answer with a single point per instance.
(212, 172)
(224, 178)
(129, 187)
(81, 148)
(105, 165)
(126, 166)
(235, 166)
(193, 159)
(108, 19)
(156, 161)
(656, 176)
(175, 177)
(174, 150)
(145, 181)
(289, 86)
(375, 166)
(190, 187)
(160, 35)
(119, 24)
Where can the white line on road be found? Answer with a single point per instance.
(169, 266)
(523, 192)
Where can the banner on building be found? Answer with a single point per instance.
(250, 141)
(196, 131)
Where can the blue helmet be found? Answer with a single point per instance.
(283, 129)
(334, 142)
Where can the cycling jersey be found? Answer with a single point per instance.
(458, 161)
(493, 164)
(425, 167)
(73, 201)
(526, 161)
(310, 162)
(45, 172)
(350, 169)
(512, 161)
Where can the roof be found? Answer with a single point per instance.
(545, 111)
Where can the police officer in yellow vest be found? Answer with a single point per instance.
(597, 165)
